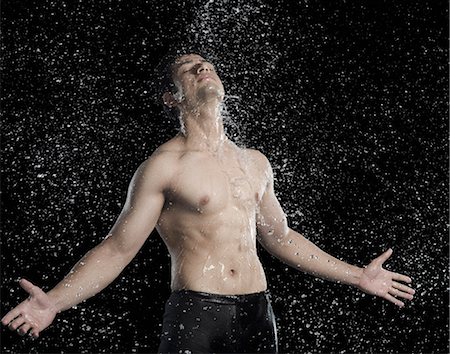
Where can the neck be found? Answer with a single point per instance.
(202, 127)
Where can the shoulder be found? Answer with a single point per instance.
(262, 165)
(160, 167)
(259, 158)
(165, 157)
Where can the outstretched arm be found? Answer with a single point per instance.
(295, 250)
(101, 265)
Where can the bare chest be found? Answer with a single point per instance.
(209, 185)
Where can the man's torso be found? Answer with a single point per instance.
(208, 219)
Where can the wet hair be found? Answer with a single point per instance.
(164, 75)
(166, 83)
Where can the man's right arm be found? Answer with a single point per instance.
(101, 265)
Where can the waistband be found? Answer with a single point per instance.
(223, 299)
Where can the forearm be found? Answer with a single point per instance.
(95, 271)
(298, 252)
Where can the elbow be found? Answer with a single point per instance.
(275, 240)
(283, 234)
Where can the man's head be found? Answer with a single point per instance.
(190, 80)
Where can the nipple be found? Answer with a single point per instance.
(204, 200)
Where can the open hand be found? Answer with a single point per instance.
(376, 280)
(33, 314)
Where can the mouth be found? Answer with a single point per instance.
(204, 77)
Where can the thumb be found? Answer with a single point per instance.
(27, 286)
(384, 256)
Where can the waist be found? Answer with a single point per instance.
(222, 299)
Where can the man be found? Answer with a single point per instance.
(210, 201)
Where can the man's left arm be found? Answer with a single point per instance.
(295, 250)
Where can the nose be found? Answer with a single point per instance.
(203, 67)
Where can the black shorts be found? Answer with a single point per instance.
(197, 322)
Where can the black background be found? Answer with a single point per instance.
(347, 99)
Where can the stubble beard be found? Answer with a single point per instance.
(209, 92)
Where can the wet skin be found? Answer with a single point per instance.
(211, 192)
(208, 221)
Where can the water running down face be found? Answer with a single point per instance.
(196, 82)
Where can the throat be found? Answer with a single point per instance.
(210, 145)
(206, 135)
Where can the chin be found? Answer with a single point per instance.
(210, 92)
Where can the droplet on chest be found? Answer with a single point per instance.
(238, 185)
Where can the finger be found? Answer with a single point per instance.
(10, 316)
(16, 323)
(384, 256)
(34, 333)
(394, 300)
(27, 286)
(403, 287)
(402, 294)
(401, 277)
(24, 329)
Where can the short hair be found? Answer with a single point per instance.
(164, 75)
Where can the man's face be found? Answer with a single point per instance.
(196, 79)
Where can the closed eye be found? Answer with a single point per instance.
(193, 66)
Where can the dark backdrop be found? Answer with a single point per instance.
(347, 99)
